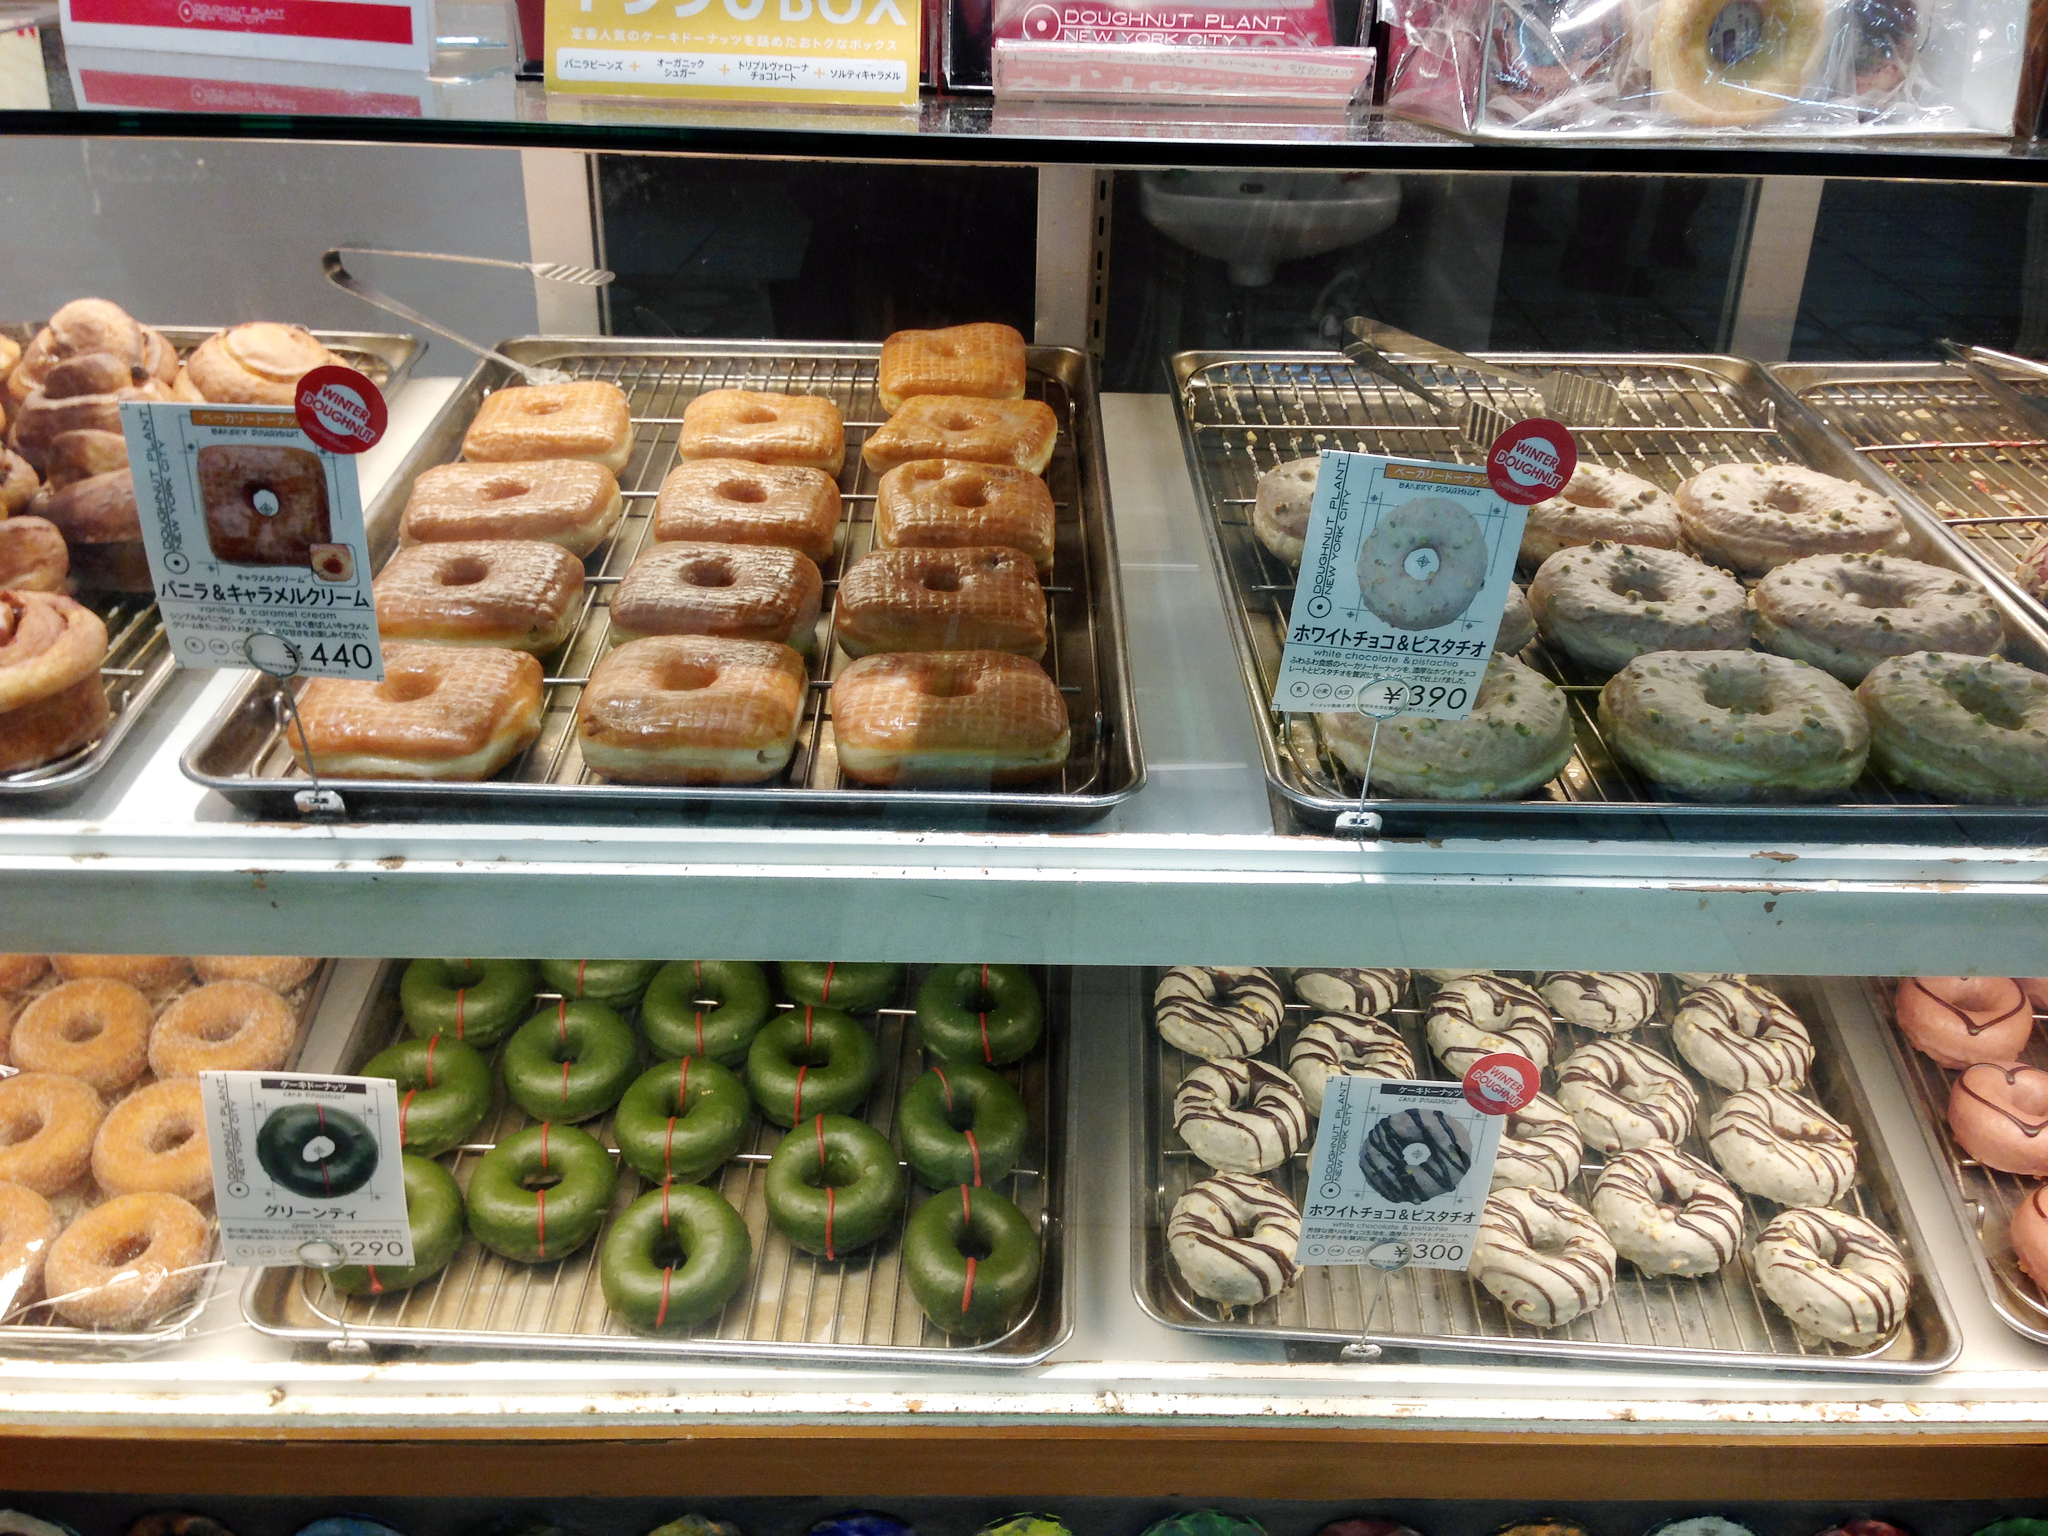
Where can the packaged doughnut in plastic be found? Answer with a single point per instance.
(1711, 67)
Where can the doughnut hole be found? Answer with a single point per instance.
(954, 421)
(968, 492)
(19, 1123)
(120, 1254)
(170, 1136)
(939, 579)
(505, 490)
(1739, 693)
(406, 687)
(753, 416)
(1985, 701)
(463, 571)
(681, 675)
(745, 492)
(709, 573)
(542, 407)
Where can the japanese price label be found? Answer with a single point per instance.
(1400, 1174)
(1406, 570)
(252, 529)
(303, 1160)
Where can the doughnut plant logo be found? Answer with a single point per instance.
(313, 1150)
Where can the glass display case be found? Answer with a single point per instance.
(964, 1236)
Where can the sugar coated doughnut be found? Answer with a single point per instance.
(1345, 1045)
(1846, 613)
(47, 1126)
(153, 974)
(27, 1228)
(155, 1141)
(1484, 1013)
(834, 1185)
(1773, 1143)
(1422, 564)
(1281, 506)
(1233, 1239)
(672, 1258)
(224, 1026)
(1413, 1156)
(1611, 1002)
(1540, 1148)
(1667, 1213)
(972, 1260)
(1735, 725)
(1622, 1095)
(1600, 504)
(2028, 1233)
(1999, 1112)
(1739, 1035)
(1348, 989)
(1214, 1011)
(1240, 1116)
(96, 1031)
(1963, 727)
(280, 973)
(1833, 1274)
(126, 1263)
(1517, 737)
(1542, 1257)
(20, 972)
(1957, 1020)
(1607, 604)
(1718, 76)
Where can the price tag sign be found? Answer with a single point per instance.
(1405, 573)
(255, 528)
(306, 1168)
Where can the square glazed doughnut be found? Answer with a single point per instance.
(948, 717)
(570, 502)
(522, 422)
(944, 503)
(740, 591)
(985, 361)
(524, 594)
(802, 430)
(1017, 433)
(692, 709)
(442, 712)
(265, 504)
(733, 501)
(972, 599)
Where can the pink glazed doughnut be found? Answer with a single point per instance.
(1957, 1020)
(1999, 1112)
(2029, 1234)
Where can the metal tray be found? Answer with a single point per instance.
(1941, 438)
(56, 1336)
(139, 661)
(858, 1310)
(1241, 414)
(1983, 1199)
(1722, 1322)
(241, 752)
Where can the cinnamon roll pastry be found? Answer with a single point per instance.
(521, 594)
(945, 503)
(803, 431)
(1017, 434)
(79, 395)
(588, 419)
(1233, 1239)
(33, 557)
(732, 501)
(984, 360)
(259, 362)
(18, 483)
(47, 643)
(1215, 1011)
(442, 712)
(570, 502)
(969, 599)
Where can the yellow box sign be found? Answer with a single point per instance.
(815, 52)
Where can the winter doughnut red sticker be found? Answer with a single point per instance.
(340, 409)
(1501, 1083)
(1531, 461)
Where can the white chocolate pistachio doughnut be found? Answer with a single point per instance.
(1348, 989)
(1240, 1116)
(1598, 503)
(1539, 1148)
(1833, 1274)
(1454, 973)
(1735, 725)
(1233, 1239)
(1213, 1011)
(1612, 1002)
(1413, 1156)
(1739, 1035)
(1517, 737)
(1607, 604)
(1481, 1014)
(1517, 623)
(1755, 517)
(1281, 506)
(1623, 1095)
(1542, 1257)
(1423, 563)
(1960, 727)
(1668, 1214)
(1345, 1045)
(1846, 613)
(1692, 981)
(1774, 1143)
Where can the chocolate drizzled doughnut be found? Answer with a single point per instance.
(1539, 1149)
(1624, 1095)
(1233, 1238)
(1773, 1143)
(1612, 1002)
(1415, 1155)
(1833, 1274)
(1343, 1044)
(1542, 1257)
(1668, 1214)
(1478, 1015)
(1739, 1035)
(1348, 989)
(1214, 1011)
(1240, 1116)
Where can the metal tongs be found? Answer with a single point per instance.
(1572, 398)
(553, 271)
(1978, 363)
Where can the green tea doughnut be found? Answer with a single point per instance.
(811, 1061)
(477, 1001)
(675, 1024)
(961, 1124)
(616, 983)
(852, 986)
(984, 1013)
(834, 1185)
(444, 1091)
(312, 1149)
(433, 1210)
(682, 1120)
(961, 1293)
(541, 1193)
(673, 1258)
(570, 1062)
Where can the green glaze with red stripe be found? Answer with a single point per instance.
(433, 1210)
(541, 1193)
(851, 986)
(982, 1013)
(682, 1121)
(811, 1061)
(476, 1001)
(570, 1061)
(834, 1185)
(673, 1258)
(616, 983)
(960, 1293)
(444, 1090)
(676, 1022)
(962, 1124)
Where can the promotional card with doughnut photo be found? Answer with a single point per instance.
(253, 528)
(1404, 574)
